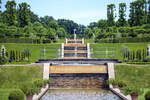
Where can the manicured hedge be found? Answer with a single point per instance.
(23, 40)
(124, 40)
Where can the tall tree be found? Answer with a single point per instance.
(11, 13)
(132, 14)
(92, 25)
(110, 14)
(148, 17)
(122, 15)
(23, 14)
(102, 24)
(0, 11)
(33, 17)
(53, 25)
(139, 12)
(46, 20)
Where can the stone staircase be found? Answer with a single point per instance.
(75, 49)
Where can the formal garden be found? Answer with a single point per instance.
(25, 35)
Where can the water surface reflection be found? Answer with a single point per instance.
(79, 94)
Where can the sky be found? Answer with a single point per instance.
(80, 11)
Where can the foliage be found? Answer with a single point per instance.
(16, 95)
(121, 83)
(147, 95)
(112, 81)
(3, 60)
(11, 13)
(128, 90)
(46, 81)
(23, 14)
(29, 89)
(122, 19)
(110, 14)
(38, 83)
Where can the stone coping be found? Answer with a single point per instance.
(43, 91)
(78, 69)
(118, 92)
(111, 75)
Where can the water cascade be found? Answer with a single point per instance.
(75, 81)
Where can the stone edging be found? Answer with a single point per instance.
(111, 75)
(43, 91)
(45, 76)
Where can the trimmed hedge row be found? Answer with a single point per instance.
(124, 40)
(24, 40)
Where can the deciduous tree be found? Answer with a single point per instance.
(23, 14)
(11, 13)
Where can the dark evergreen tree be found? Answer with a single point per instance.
(110, 14)
(132, 14)
(148, 17)
(122, 15)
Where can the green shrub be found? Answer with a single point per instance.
(29, 89)
(3, 60)
(46, 81)
(147, 95)
(148, 58)
(112, 81)
(132, 90)
(16, 95)
(121, 84)
(38, 83)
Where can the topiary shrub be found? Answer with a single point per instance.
(147, 95)
(16, 95)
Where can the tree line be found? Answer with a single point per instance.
(136, 25)
(18, 21)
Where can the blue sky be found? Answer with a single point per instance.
(80, 11)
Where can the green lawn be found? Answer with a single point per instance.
(36, 49)
(100, 46)
(136, 76)
(13, 77)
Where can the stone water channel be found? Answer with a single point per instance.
(78, 81)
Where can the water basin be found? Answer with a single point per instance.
(79, 94)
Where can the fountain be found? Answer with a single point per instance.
(75, 81)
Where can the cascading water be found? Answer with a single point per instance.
(78, 86)
(75, 53)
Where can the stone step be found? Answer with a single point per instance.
(75, 45)
(73, 51)
(75, 57)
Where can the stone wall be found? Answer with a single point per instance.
(78, 81)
